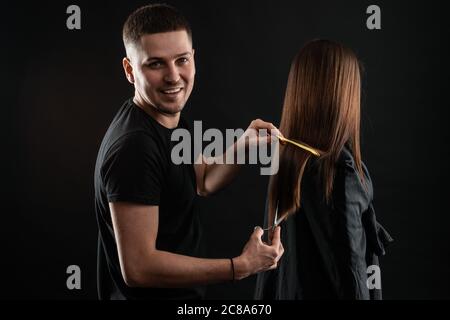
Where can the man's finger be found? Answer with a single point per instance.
(272, 267)
(258, 232)
(275, 132)
(266, 125)
(276, 237)
(260, 124)
(281, 248)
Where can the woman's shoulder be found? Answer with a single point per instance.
(348, 176)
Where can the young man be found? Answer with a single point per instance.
(145, 204)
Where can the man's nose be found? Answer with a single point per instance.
(172, 74)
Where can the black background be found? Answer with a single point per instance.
(62, 87)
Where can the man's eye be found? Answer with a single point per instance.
(183, 60)
(155, 65)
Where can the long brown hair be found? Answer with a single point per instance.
(321, 108)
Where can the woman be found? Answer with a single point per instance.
(329, 230)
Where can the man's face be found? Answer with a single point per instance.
(163, 70)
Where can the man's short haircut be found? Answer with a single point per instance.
(153, 18)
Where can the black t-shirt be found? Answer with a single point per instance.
(134, 165)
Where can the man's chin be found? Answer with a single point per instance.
(170, 110)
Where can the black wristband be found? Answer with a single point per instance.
(232, 269)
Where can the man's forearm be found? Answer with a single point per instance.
(214, 173)
(218, 174)
(165, 270)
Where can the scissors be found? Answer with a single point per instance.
(275, 221)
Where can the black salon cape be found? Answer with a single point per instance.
(328, 248)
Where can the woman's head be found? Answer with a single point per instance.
(321, 108)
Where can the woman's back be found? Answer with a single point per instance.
(331, 237)
(328, 245)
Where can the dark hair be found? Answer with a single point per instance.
(153, 18)
(321, 108)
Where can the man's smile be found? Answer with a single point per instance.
(172, 91)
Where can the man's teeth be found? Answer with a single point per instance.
(176, 90)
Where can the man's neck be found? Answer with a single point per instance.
(169, 121)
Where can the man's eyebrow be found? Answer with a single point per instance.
(177, 56)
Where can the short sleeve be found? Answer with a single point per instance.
(132, 170)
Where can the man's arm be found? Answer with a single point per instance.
(215, 176)
(142, 265)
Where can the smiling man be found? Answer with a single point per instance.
(149, 232)
(162, 72)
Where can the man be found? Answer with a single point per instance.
(145, 204)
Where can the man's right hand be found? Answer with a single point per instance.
(258, 256)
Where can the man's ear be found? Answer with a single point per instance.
(128, 68)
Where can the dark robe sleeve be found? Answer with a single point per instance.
(358, 238)
(351, 199)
